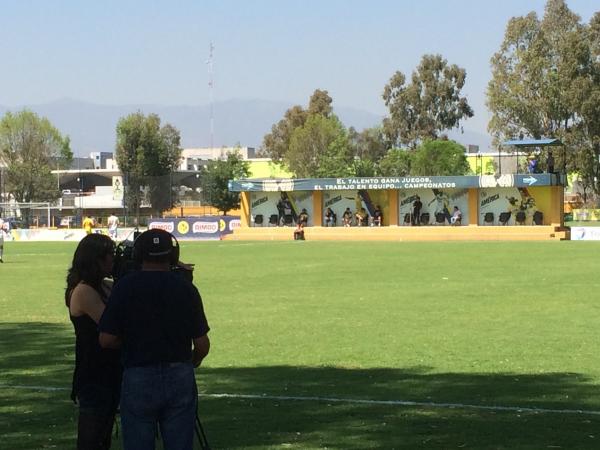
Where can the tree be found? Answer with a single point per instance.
(363, 168)
(214, 181)
(369, 144)
(396, 163)
(431, 103)
(546, 83)
(31, 147)
(587, 159)
(147, 155)
(320, 148)
(320, 103)
(276, 143)
(440, 158)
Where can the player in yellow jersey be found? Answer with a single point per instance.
(87, 224)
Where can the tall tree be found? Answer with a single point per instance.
(586, 160)
(31, 147)
(440, 158)
(147, 155)
(320, 103)
(430, 104)
(214, 180)
(545, 83)
(276, 144)
(320, 148)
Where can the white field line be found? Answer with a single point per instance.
(358, 401)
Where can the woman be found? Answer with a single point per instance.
(97, 375)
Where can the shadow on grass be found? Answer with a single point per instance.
(39, 354)
(310, 423)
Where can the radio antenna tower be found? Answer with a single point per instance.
(210, 94)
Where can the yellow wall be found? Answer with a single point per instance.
(245, 209)
(478, 165)
(267, 169)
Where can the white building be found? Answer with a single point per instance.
(194, 158)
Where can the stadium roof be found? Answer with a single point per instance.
(532, 142)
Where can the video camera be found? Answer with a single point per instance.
(127, 258)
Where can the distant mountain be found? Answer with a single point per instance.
(92, 126)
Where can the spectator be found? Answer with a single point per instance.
(532, 165)
(377, 217)
(416, 215)
(329, 218)
(550, 163)
(303, 217)
(281, 208)
(362, 218)
(456, 218)
(347, 217)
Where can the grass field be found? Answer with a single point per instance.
(346, 345)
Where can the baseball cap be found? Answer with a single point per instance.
(155, 243)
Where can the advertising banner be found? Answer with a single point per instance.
(274, 208)
(44, 234)
(117, 188)
(354, 200)
(585, 233)
(383, 183)
(514, 206)
(205, 227)
(437, 206)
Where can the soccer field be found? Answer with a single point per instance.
(345, 345)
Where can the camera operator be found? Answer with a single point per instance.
(97, 374)
(156, 315)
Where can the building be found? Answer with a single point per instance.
(195, 158)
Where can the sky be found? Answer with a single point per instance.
(122, 52)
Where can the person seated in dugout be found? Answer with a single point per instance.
(303, 217)
(377, 219)
(299, 232)
(456, 216)
(329, 218)
(362, 218)
(347, 217)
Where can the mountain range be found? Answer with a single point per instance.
(92, 126)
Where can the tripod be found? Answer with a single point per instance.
(201, 435)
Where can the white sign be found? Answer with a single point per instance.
(585, 233)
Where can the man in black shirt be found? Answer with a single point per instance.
(550, 163)
(157, 317)
(416, 216)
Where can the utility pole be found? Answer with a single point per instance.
(210, 94)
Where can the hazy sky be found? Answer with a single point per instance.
(155, 52)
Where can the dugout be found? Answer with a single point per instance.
(517, 199)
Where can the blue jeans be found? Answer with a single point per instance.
(163, 395)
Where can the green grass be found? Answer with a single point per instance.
(490, 324)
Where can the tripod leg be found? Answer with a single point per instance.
(204, 445)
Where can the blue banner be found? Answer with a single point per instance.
(380, 183)
(204, 227)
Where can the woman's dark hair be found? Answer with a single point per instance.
(86, 263)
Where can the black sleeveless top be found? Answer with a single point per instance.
(93, 364)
